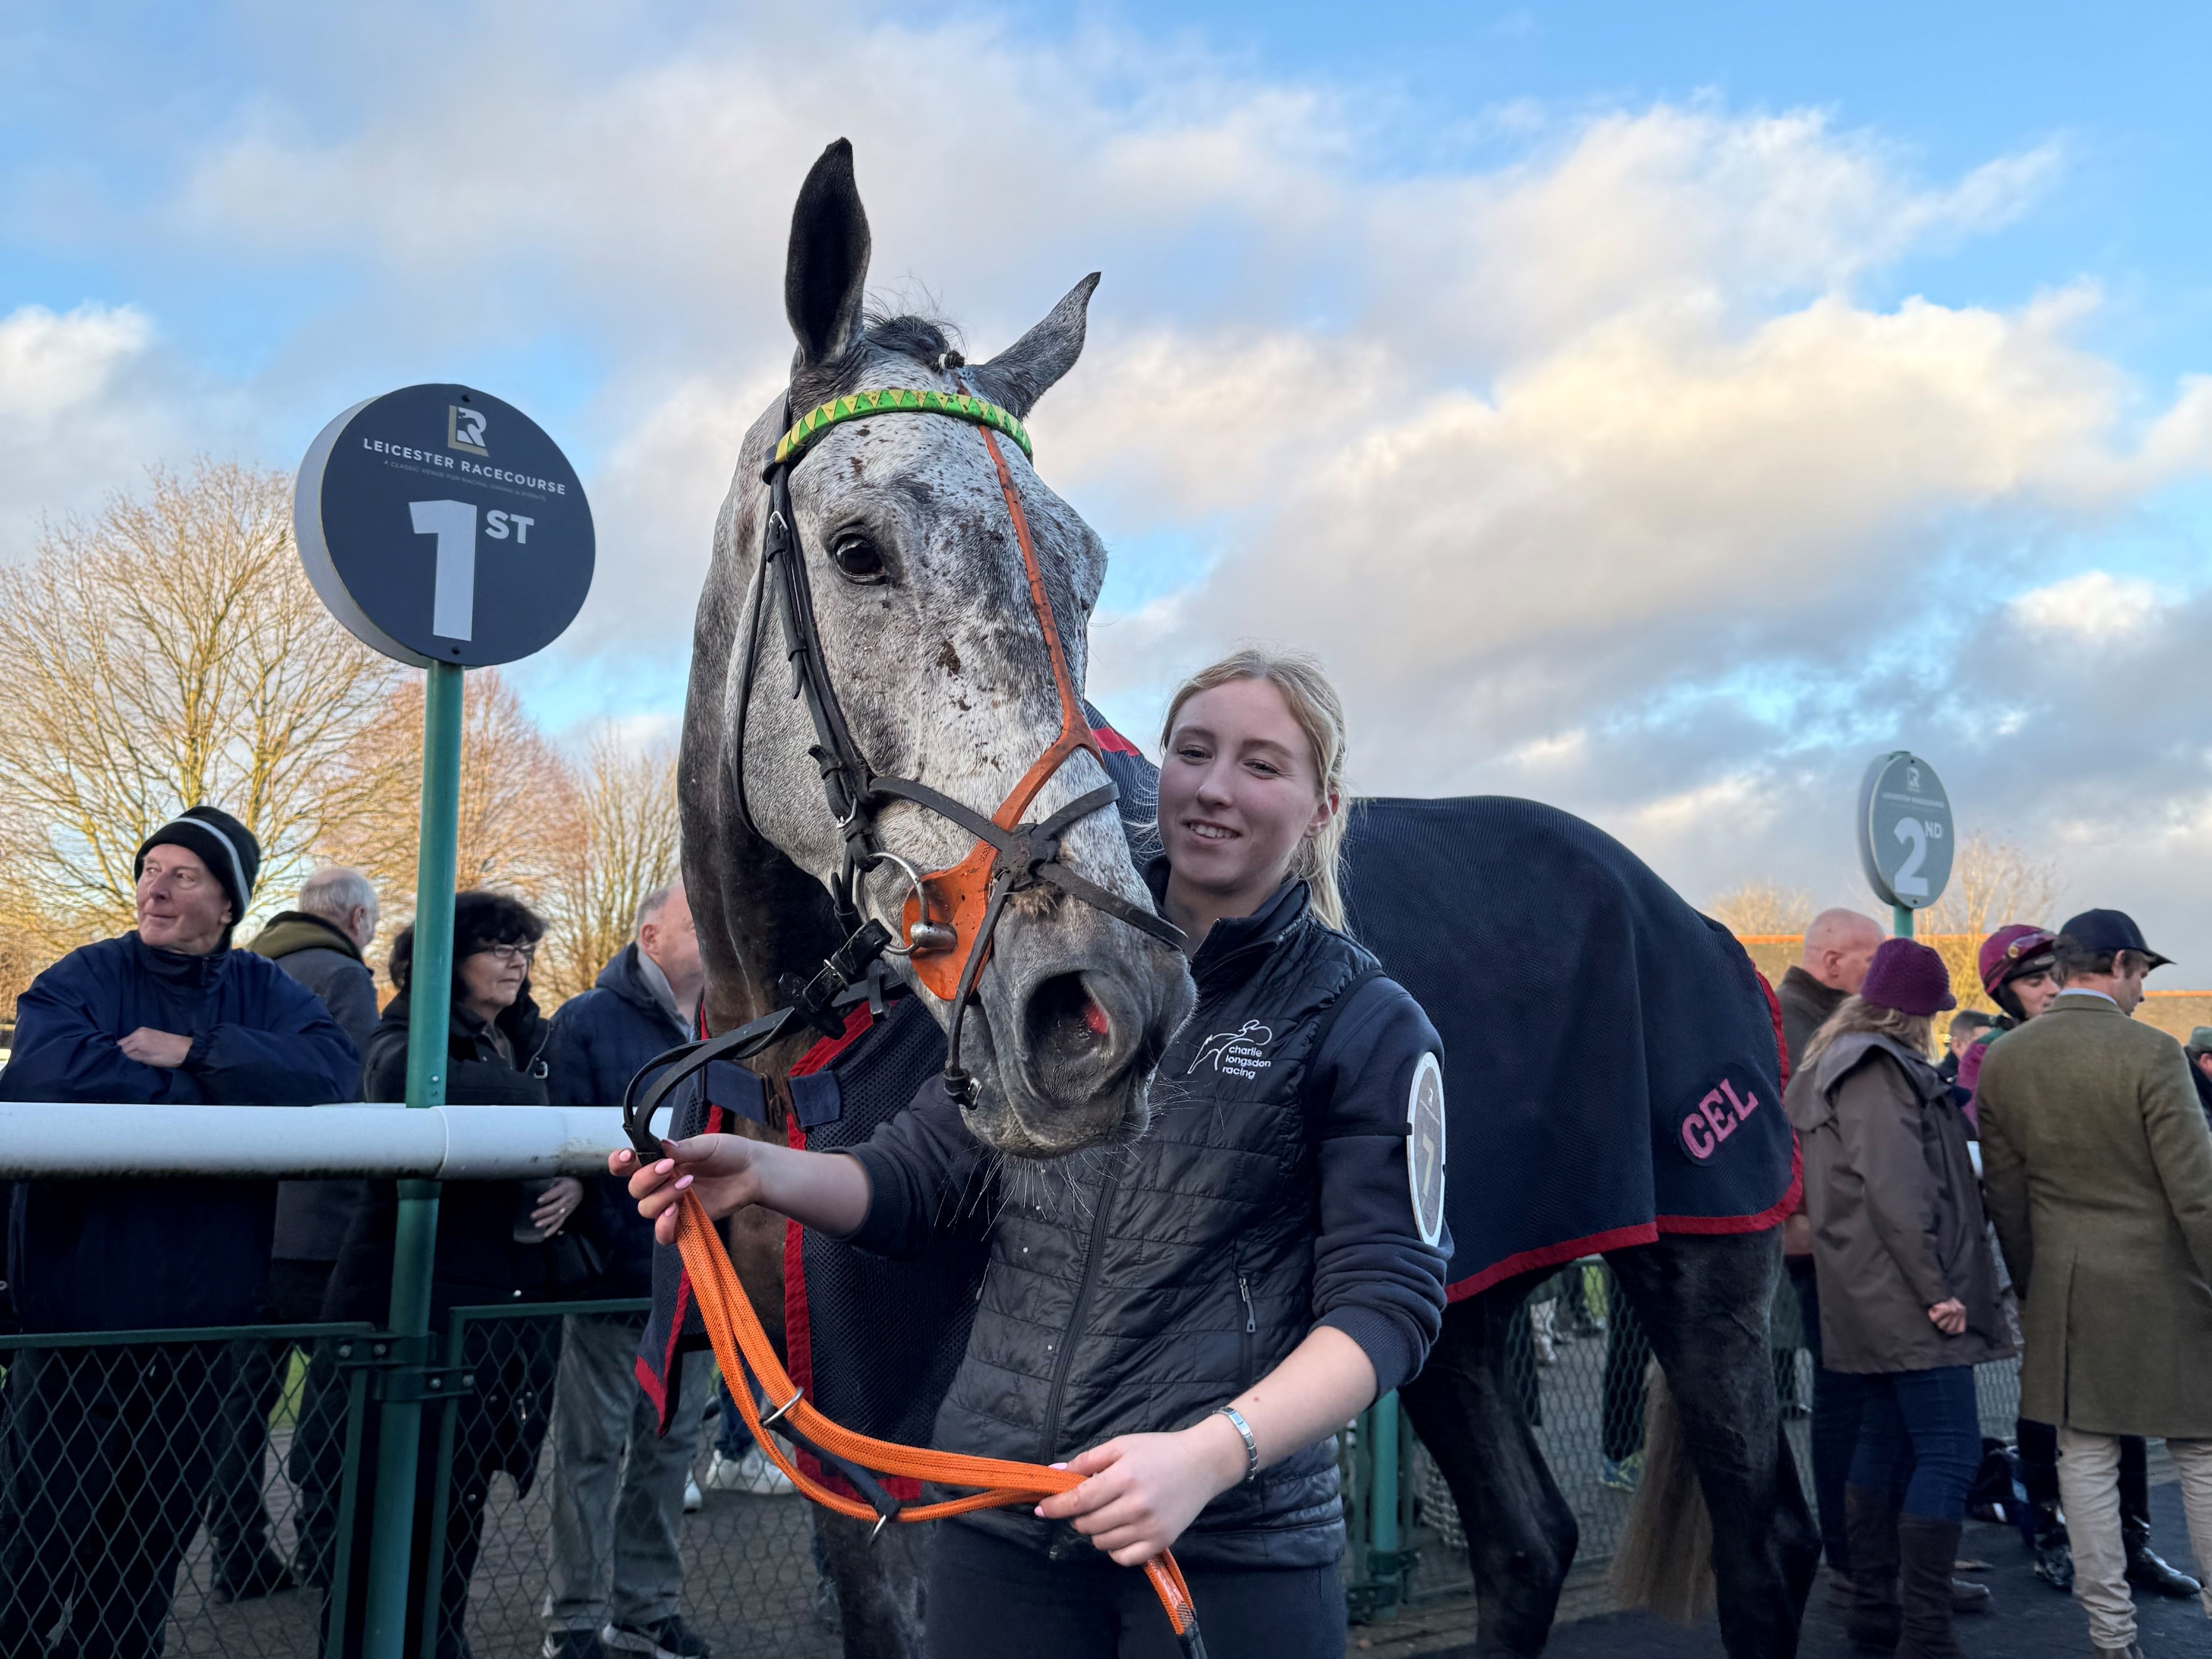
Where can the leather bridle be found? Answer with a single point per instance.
(950, 915)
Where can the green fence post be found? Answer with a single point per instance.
(430, 1007)
(1384, 1541)
(1901, 920)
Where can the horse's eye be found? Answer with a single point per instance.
(857, 559)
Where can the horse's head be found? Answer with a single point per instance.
(929, 635)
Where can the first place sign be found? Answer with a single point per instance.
(441, 525)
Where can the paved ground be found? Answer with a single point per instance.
(2029, 1620)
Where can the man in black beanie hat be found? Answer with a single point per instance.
(225, 850)
(109, 1448)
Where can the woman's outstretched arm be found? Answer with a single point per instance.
(826, 1191)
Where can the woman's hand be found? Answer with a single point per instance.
(1949, 1317)
(1144, 1489)
(560, 1201)
(723, 1169)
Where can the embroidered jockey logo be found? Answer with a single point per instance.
(1720, 1111)
(1236, 1053)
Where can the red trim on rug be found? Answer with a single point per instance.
(1771, 1217)
(1113, 743)
(669, 1359)
(1623, 1238)
(817, 1058)
(797, 1326)
(652, 1385)
(1781, 1040)
(1550, 1255)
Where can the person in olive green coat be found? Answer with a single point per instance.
(2098, 1164)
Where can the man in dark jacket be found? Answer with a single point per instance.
(610, 1460)
(110, 1447)
(2199, 1050)
(1838, 945)
(319, 945)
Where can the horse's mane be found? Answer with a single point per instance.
(930, 342)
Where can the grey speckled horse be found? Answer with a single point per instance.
(928, 630)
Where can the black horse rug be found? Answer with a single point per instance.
(1611, 1073)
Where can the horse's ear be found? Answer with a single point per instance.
(1030, 368)
(827, 268)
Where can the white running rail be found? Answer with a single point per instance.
(44, 1140)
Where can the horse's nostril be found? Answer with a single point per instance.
(1065, 1020)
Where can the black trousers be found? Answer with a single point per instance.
(989, 1599)
(2039, 1469)
(237, 1517)
(107, 1452)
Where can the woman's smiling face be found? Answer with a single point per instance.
(1239, 790)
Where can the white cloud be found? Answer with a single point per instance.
(2095, 606)
(1600, 474)
(51, 366)
(82, 410)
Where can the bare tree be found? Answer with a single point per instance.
(517, 799)
(624, 841)
(1993, 883)
(168, 651)
(1758, 906)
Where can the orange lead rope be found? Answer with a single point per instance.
(742, 1349)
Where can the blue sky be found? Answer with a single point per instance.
(1654, 410)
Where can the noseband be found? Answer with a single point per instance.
(949, 916)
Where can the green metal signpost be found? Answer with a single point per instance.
(428, 1011)
(405, 506)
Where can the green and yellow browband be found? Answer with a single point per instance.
(898, 400)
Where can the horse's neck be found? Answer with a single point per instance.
(769, 919)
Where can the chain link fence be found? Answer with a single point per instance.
(236, 1464)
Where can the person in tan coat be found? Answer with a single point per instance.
(2098, 1164)
(1908, 1286)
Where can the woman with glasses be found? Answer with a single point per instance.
(492, 1235)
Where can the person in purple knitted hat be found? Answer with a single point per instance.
(1909, 978)
(1908, 1289)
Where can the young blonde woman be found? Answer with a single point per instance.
(1186, 1324)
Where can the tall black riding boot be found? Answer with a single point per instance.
(2146, 1569)
(1870, 1523)
(2054, 1551)
(1925, 1552)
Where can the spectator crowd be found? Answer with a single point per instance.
(2047, 1189)
(116, 1456)
(2043, 1188)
